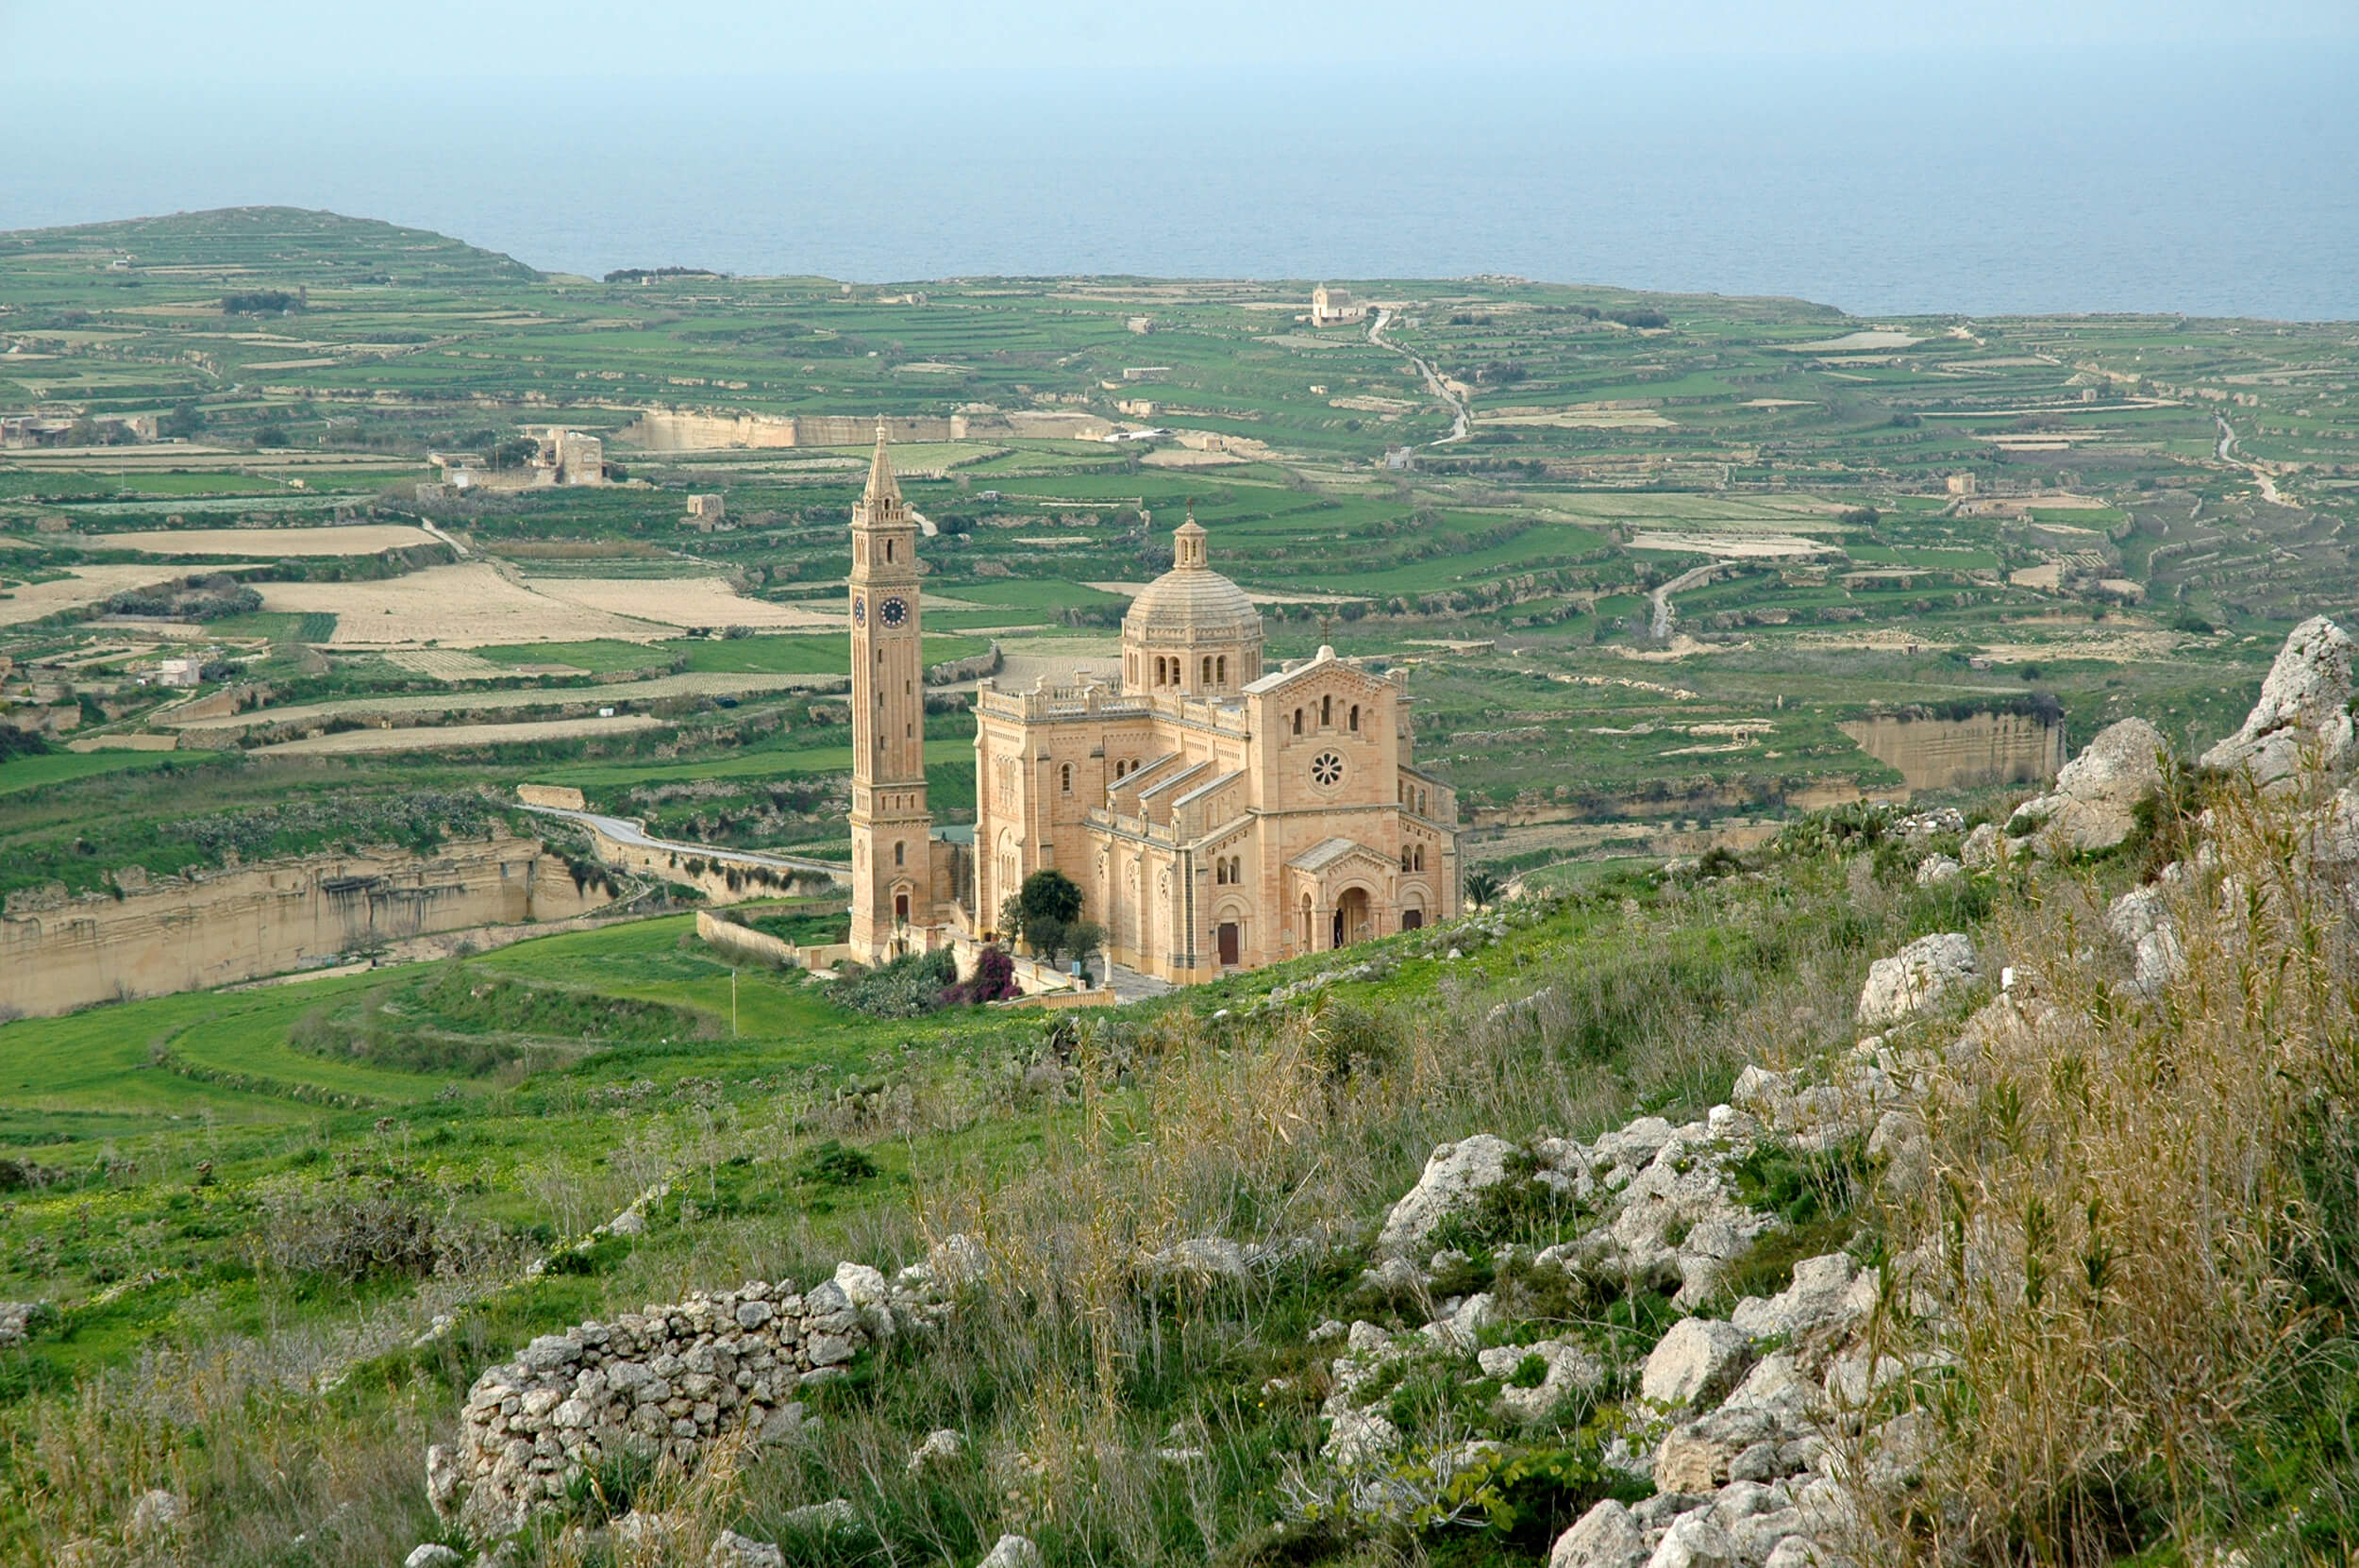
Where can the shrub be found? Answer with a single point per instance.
(909, 986)
(833, 1164)
(350, 1239)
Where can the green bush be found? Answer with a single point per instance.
(909, 986)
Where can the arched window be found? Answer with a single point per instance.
(1421, 857)
(1327, 712)
(1064, 777)
(1298, 721)
(1220, 874)
(1208, 671)
(1405, 864)
(900, 853)
(1355, 718)
(888, 549)
(1220, 670)
(1236, 869)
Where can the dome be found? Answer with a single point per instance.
(1190, 603)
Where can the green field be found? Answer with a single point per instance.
(33, 772)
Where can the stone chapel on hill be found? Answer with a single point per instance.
(1216, 814)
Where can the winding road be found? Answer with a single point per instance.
(1460, 420)
(2260, 476)
(624, 831)
(1695, 576)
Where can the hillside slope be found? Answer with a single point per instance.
(1914, 1191)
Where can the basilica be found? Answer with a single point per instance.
(1217, 813)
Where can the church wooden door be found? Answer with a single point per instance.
(1228, 943)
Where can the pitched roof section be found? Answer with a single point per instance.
(1327, 851)
(1326, 660)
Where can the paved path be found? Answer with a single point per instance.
(2228, 454)
(1692, 577)
(1433, 381)
(1129, 985)
(624, 831)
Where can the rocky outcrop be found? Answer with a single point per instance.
(2302, 711)
(665, 1382)
(1455, 1179)
(2095, 804)
(1917, 977)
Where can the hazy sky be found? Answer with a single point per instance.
(194, 41)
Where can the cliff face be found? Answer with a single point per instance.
(1963, 754)
(57, 954)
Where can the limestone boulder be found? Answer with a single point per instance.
(732, 1550)
(1696, 1362)
(2302, 711)
(941, 1448)
(1694, 1542)
(1011, 1551)
(2095, 803)
(431, 1554)
(1820, 1300)
(1456, 1176)
(1939, 871)
(1607, 1536)
(1984, 849)
(1917, 977)
(2141, 920)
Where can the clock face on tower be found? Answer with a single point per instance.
(859, 611)
(893, 613)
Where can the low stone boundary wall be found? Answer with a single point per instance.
(668, 1382)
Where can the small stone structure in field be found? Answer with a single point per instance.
(669, 1381)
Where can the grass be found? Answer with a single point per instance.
(602, 658)
(745, 764)
(33, 772)
(814, 1134)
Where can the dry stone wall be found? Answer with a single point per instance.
(668, 1382)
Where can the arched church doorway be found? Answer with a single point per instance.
(1354, 922)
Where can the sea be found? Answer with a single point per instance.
(2222, 181)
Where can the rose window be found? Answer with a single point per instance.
(1326, 770)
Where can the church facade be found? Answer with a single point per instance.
(1217, 814)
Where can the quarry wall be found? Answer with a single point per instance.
(710, 429)
(58, 953)
(1979, 750)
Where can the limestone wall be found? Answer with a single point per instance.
(708, 870)
(714, 429)
(704, 430)
(666, 1381)
(1963, 754)
(57, 953)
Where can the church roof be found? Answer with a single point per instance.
(1327, 851)
(1191, 602)
(1278, 677)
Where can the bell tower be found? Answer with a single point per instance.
(891, 855)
